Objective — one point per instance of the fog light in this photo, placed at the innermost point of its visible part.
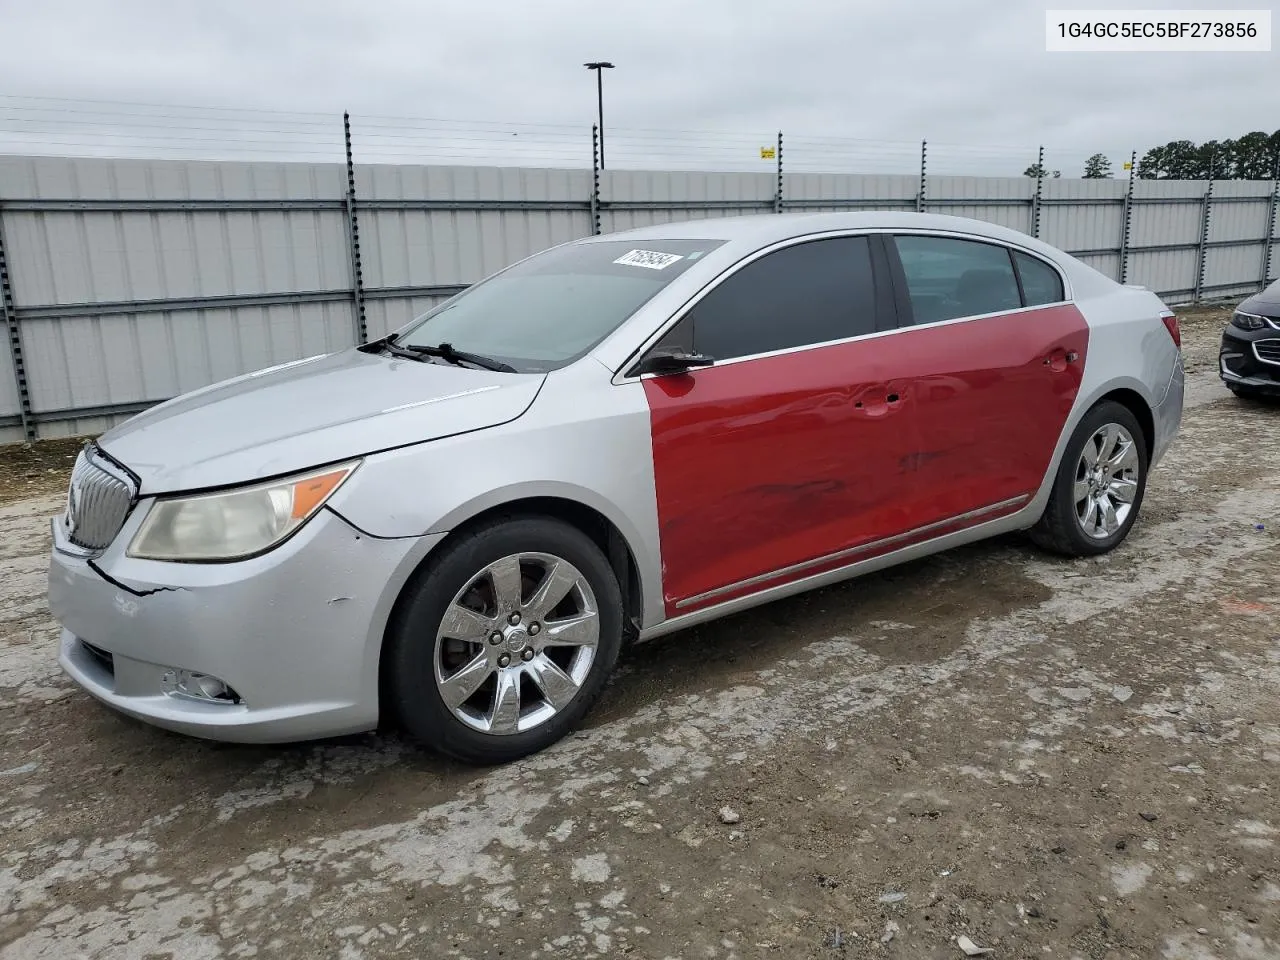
(198, 686)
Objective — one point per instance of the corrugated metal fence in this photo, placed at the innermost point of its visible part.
(127, 282)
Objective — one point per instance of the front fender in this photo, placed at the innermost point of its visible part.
(602, 462)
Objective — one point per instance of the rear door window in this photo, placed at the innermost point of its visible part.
(949, 278)
(1040, 282)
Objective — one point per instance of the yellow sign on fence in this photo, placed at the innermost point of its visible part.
(1128, 165)
(767, 153)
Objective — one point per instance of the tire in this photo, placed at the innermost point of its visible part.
(1081, 527)
(1252, 396)
(497, 647)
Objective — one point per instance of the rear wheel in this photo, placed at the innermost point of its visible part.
(1099, 487)
(505, 643)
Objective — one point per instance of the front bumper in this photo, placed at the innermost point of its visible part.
(1240, 362)
(296, 632)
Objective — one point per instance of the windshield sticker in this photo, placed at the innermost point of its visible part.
(650, 259)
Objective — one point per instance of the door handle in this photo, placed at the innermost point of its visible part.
(1060, 358)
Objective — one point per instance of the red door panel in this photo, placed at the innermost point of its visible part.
(784, 461)
(767, 463)
(991, 397)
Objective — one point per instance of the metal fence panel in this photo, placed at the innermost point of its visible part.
(1161, 224)
(109, 361)
(647, 197)
(804, 191)
(1085, 215)
(1239, 212)
(136, 280)
(107, 256)
(1002, 200)
(77, 178)
(1227, 269)
(1170, 273)
(1107, 264)
(443, 245)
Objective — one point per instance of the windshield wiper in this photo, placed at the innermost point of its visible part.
(389, 344)
(445, 351)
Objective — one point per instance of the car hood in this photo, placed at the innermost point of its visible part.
(309, 412)
(1267, 302)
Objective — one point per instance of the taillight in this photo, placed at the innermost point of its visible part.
(1171, 324)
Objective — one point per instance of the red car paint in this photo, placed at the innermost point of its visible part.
(765, 464)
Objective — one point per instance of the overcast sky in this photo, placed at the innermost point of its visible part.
(964, 72)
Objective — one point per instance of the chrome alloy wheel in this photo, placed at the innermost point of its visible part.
(516, 643)
(1106, 481)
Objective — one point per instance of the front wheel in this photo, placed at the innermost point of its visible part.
(1099, 487)
(505, 643)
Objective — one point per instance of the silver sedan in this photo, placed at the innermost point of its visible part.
(459, 525)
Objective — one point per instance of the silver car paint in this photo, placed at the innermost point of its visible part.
(300, 415)
(585, 440)
(583, 434)
(297, 631)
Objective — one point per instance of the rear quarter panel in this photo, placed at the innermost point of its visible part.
(1129, 349)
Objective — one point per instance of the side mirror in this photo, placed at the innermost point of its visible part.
(665, 360)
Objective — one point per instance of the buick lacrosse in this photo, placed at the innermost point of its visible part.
(458, 526)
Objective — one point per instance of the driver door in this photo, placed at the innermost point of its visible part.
(791, 452)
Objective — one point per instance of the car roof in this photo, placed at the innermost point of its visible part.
(766, 228)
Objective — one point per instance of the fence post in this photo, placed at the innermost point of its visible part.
(777, 194)
(1206, 212)
(353, 237)
(1127, 233)
(1273, 209)
(924, 182)
(9, 309)
(1035, 202)
(595, 180)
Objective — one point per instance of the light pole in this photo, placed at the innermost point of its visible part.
(599, 66)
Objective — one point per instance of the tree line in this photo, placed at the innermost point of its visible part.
(1254, 156)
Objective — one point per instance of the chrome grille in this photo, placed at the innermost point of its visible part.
(1268, 351)
(98, 501)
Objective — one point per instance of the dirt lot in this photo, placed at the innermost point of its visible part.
(1055, 759)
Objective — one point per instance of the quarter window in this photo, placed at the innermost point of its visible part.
(809, 293)
(1040, 282)
(949, 278)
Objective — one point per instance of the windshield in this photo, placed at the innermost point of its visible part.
(554, 307)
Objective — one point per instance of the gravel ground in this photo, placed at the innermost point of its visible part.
(1051, 758)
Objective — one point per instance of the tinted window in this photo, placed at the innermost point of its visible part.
(1040, 282)
(949, 278)
(554, 307)
(800, 295)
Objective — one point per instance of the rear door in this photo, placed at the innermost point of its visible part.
(994, 354)
(790, 449)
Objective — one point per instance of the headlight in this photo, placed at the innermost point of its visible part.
(234, 524)
(1247, 321)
